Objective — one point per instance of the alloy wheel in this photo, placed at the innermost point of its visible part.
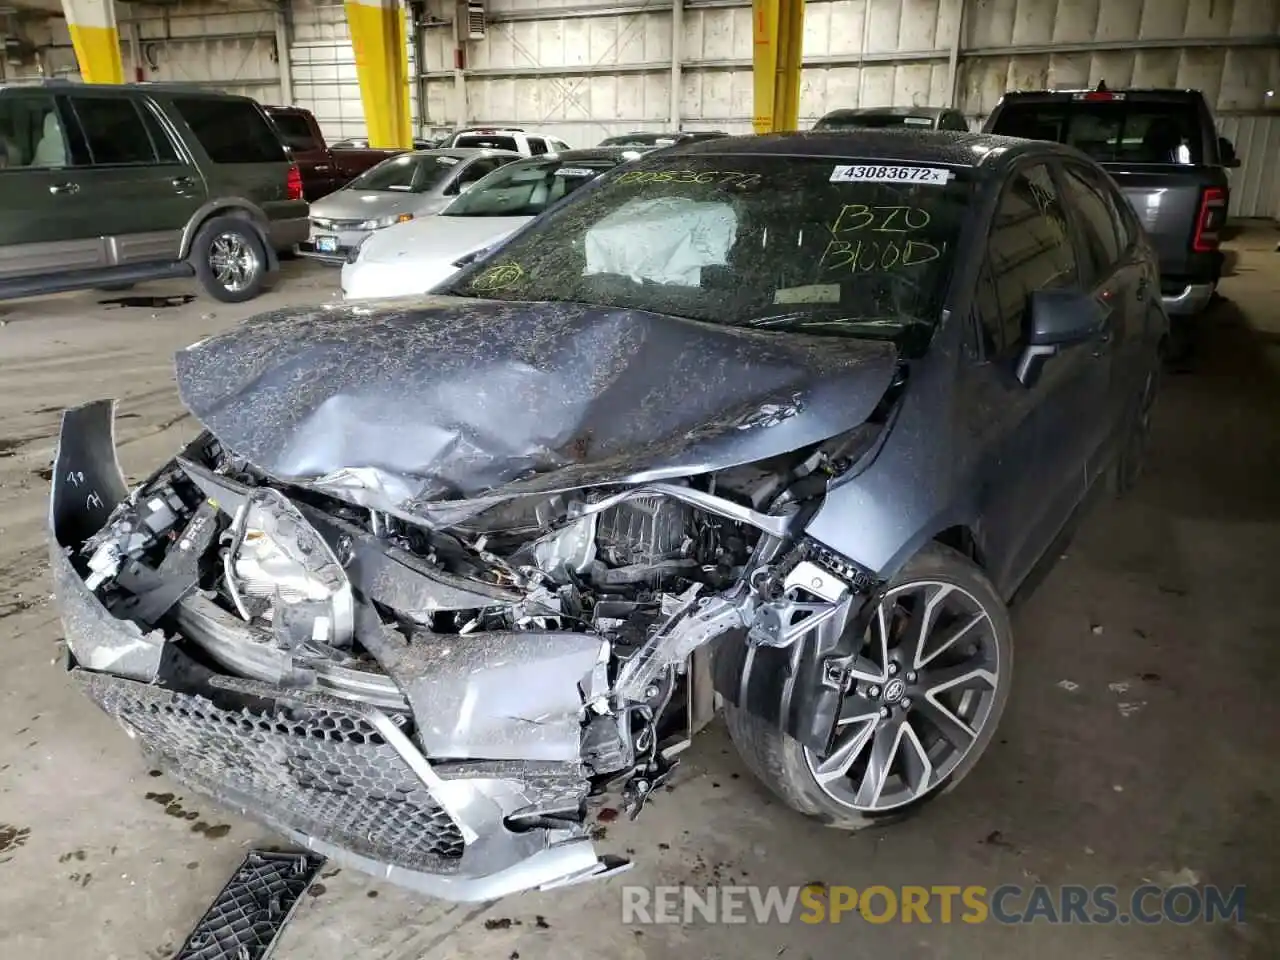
(923, 688)
(234, 262)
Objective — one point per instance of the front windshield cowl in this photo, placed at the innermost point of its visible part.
(817, 245)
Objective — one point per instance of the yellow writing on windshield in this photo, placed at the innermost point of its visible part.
(498, 277)
(725, 177)
(869, 255)
(887, 219)
(892, 249)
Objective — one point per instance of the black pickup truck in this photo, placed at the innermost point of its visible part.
(1163, 150)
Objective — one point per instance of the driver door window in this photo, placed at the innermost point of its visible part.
(31, 133)
(1029, 249)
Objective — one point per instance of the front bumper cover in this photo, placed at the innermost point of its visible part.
(338, 777)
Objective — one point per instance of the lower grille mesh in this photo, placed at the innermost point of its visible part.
(322, 772)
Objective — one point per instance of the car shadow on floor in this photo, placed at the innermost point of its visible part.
(1215, 449)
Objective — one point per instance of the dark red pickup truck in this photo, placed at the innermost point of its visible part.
(324, 169)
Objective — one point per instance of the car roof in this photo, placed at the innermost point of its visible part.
(461, 153)
(933, 112)
(953, 148)
(62, 84)
(652, 136)
(1153, 93)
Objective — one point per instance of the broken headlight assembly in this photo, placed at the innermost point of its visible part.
(278, 568)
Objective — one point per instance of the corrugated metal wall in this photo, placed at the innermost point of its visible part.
(585, 70)
(228, 46)
(324, 68)
(222, 45)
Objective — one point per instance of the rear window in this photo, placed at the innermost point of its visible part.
(492, 143)
(295, 131)
(1117, 131)
(231, 131)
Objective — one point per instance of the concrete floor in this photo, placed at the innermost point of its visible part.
(1172, 593)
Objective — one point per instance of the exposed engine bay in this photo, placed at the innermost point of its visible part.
(555, 630)
(427, 642)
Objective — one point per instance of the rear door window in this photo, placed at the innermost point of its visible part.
(231, 130)
(114, 130)
(537, 146)
(1110, 131)
(1097, 226)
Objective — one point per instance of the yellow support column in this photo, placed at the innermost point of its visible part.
(92, 25)
(382, 66)
(779, 38)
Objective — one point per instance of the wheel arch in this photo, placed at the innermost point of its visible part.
(222, 207)
(964, 540)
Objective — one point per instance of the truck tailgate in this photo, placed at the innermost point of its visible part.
(1167, 200)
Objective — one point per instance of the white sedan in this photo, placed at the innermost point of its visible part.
(413, 257)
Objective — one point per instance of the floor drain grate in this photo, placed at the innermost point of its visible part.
(245, 920)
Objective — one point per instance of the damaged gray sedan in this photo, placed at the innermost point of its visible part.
(778, 422)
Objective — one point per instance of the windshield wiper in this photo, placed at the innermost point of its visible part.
(825, 318)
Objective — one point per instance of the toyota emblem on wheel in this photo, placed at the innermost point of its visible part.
(893, 690)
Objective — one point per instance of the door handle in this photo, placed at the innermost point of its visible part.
(65, 188)
(182, 182)
(1102, 340)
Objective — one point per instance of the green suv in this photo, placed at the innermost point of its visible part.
(107, 186)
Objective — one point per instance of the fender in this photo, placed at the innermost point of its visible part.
(224, 206)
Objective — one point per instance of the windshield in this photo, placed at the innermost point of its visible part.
(821, 245)
(862, 121)
(406, 174)
(525, 189)
(1116, 131)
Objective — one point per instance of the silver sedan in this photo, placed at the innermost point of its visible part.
(400, 188)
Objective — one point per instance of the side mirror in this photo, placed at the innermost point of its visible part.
(1227, 153)
(1056, 319)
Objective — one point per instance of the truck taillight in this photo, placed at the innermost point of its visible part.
(293, 183)
(1213, 213)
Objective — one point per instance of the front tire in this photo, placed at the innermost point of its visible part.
(927, 691)
(230, 259)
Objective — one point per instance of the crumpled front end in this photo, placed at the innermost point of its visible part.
(442, 707)
(325, 752)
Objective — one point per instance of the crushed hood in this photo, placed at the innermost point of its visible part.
(412, 406)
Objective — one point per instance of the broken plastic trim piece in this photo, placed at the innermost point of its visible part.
(246, 918)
